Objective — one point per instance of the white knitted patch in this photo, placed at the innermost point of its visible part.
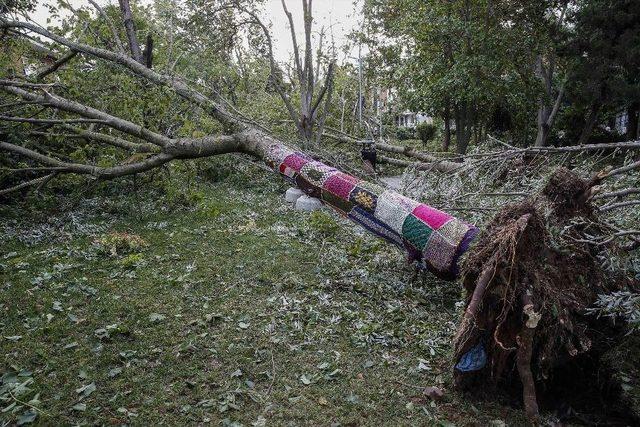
(392, 209)
(276, 154)
(453, 231)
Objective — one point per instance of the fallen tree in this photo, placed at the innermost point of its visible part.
(509, 285)
(432, 238)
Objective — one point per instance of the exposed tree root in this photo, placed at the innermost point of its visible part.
(529, 280)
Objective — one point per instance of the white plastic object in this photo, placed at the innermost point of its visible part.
(292, 194)
(308, 204)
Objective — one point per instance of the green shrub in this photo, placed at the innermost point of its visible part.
(425, 132)
(405, 133)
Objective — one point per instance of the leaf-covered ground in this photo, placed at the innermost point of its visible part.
(130, 308)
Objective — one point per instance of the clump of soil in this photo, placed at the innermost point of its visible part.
(529, 280)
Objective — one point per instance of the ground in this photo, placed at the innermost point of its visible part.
(216, 302)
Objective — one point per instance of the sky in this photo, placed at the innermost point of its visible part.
(340, 16)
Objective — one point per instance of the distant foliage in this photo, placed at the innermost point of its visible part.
(403, 133)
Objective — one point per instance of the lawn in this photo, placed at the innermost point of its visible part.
(214, 301)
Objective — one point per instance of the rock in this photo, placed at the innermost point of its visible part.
(308, 204)
(293, 194)
(434, 393)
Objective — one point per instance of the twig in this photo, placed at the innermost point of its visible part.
(41, 180)
(619, 205)
(618, 193)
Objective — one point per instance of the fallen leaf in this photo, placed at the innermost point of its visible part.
(86, 390)
(81, 407)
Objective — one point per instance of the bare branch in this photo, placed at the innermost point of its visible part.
(129, 26)
(92, 113)
(104, 173)
(441, 167)
(59, 63)
(48, 121)
(178, 85)
(109, 22)
(618, 193)
(26, 184)
(296, 48)
(114, 141)
(619, 205)
(327, 85)
(624, 169)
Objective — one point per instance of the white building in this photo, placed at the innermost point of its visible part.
(409, 119)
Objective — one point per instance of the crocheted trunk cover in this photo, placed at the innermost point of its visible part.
(431, 237)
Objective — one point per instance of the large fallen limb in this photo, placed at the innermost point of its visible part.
(422, 166)
(434, 239)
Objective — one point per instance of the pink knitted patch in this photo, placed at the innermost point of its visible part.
(340, 184)
(295, 161)
(430, 216)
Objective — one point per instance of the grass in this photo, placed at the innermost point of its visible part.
(236, 310)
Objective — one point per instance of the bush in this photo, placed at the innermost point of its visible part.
(425, 132)
(405, 133)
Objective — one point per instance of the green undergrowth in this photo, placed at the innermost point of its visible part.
(204, 298)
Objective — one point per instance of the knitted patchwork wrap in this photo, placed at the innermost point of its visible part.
(429, 236)
(275, 155)
(317, 173)
(365, 195)
(338, 203)
(446, 245)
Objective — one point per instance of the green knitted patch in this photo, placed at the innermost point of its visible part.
(338, 203)
(416, 232)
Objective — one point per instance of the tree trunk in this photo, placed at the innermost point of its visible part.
(632, 125)
(447, 128)
(129, 26)
(543, 127)
(591, 120)
(464, 127)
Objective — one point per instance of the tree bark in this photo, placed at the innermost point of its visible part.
(447, 127)
(464, 127)
(590, 122)
(632, 125)
(130, 28)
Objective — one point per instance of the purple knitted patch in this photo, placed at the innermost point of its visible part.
(340, 184)
(430, 216)
(295, 161)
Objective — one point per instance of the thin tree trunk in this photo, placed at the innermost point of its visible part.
(632, 125)
(129, 26)
(447, 127)
(591, 120)
(148, 52)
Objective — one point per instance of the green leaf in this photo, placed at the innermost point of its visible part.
(86, 390)
(27, 417)
(80, 407)
(305, 380)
